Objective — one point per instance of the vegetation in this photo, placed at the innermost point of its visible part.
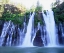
(59, 13)
(18, 14)
(38, 17)
(13, 13)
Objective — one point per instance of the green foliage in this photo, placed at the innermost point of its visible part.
(37, 17)
(38, 9)
(32, 9)
(16, 18)
(13, 13)
(59, 13)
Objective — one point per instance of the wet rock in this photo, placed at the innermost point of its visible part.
(61, 34)
(38, 41)
(1, 26)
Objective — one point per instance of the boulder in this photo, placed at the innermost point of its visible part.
(37, 40)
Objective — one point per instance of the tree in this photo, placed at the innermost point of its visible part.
(38, 4)
(5, 1)
(38, 7)
(59, 13)
(2, 3)
(32, 9)
(57, 2)
(21, 7)
(38, 14)
(1, 8)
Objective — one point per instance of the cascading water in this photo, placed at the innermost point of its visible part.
(38, 25)
(50, 27)
(5, 28)
(4, 31)
(10, 33)
(22, 34)
(27, 40)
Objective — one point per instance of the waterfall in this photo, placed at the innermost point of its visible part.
(38, 25)
(61, 29)
(22, 34)
(7, 32)
(14, 35)
(10, 34)
(50, 27)
(27, 40)
(4, 31)
(5, 28)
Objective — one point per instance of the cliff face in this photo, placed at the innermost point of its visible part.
(60, 33)
(10, 34)
(59, 20)
(13, 34)
(38, 40)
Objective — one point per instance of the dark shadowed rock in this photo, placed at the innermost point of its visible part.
(61, 33)
(38, 41)
(1, 26)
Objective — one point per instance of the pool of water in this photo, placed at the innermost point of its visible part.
(32, 50)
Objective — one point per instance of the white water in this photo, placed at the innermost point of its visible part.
(38, 25)
(10, 34)
(50, 27)
(27, 41)
(5, 28)
(4, 31)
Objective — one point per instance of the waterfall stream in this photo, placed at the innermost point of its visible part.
(47, 35)
(50, 27)
(27, 40)
(4, 31)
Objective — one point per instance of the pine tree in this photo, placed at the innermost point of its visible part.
(57, 2)
(38, 4)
